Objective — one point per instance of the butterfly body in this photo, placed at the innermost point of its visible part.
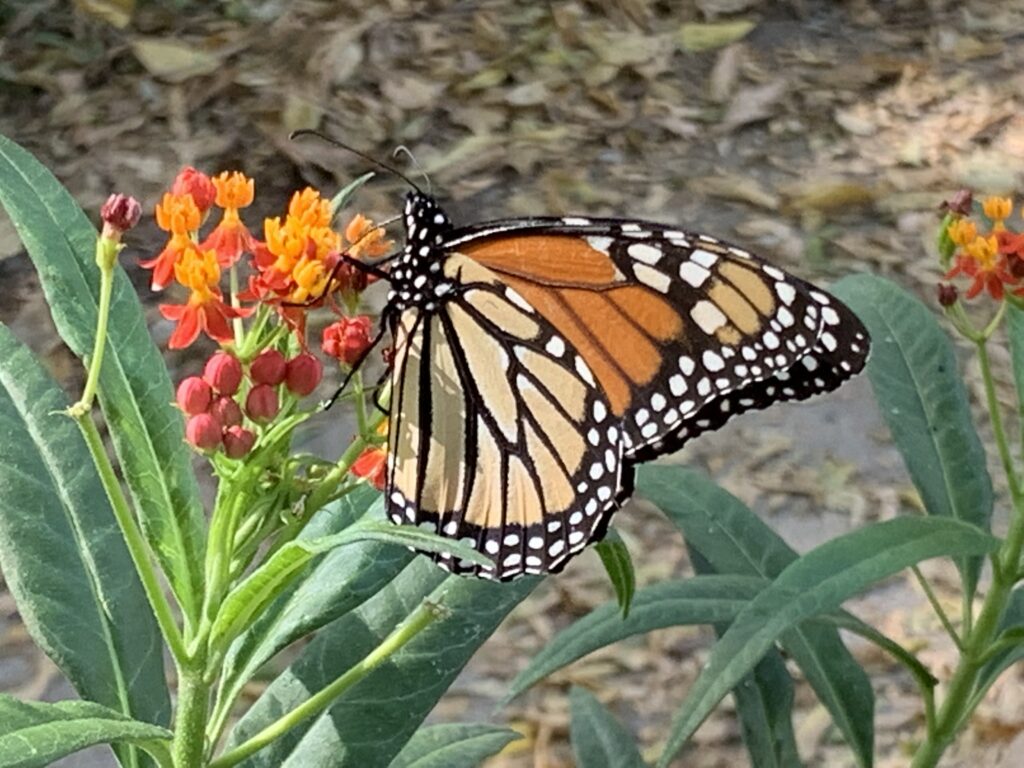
(538, 360)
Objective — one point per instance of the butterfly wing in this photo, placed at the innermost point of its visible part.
(498, 436)
(681, 330)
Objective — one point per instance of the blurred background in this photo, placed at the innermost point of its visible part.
(822, 135)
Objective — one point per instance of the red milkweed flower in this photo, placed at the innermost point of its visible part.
(372, 465)
(198, 185)
(205, 310)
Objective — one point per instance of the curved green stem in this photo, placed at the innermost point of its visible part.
(937, 607)
(419, 620)
(84, 404)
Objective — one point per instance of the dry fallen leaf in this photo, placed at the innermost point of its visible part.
(174, 60)
(117, 13)
(695, 38)
(753, 104)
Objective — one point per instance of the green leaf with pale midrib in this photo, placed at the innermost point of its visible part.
(135, 391)
(816, 583)
(618, 565)
(35, 734)
(733, 540)
(369, 725)
(696, 600)
(335, 584)
(284, 566)
(913, 371)
(62, 552)
(598, 739)
(455, 745)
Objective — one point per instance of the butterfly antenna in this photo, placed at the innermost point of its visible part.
(401, 149)
(341, 145)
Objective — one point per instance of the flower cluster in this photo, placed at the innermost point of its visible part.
(988, 253)
(301, 263)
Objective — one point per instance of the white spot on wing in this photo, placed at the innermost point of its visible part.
(694, 274)
(648, 254)
(708, 316)
(651, 277)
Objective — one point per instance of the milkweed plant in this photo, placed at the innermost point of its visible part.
(126, 581)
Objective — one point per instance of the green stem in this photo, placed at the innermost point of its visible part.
(133, 539)
(419, 620)
(189, 746)
(937, 607)
(84, 404)
(960, 699)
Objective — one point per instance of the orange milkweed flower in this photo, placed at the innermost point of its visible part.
(180, 216)
(372, 463)
(983, 262)
(997, 209)
(205, 310)
(231, 238)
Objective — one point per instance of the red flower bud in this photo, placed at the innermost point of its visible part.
(302, 374)
(238, 441)
(268, 368)
(120, 213)
(189, 181)
(223, 372)
(947, 294)
(348, 339)
(194, 395)
(262, 404)
(203, 431)
(960, 203)
(227, 411)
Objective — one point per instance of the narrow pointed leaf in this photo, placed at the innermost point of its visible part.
(34, 734)
(336, 583)
(764, 702)
(598, 739)
(365, 728)
(913, 371)
(135, 391)
(817, 583)
(732, 539)
(62, 553)
(268, 581)
(1015, 330)
(697, 600)
(1013, 618)
(453, 746)
(619, 567)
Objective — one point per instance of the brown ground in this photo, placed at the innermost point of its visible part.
(824, 138)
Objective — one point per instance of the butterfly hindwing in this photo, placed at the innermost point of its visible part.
(498, 436)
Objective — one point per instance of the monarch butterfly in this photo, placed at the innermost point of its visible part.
(536, 361)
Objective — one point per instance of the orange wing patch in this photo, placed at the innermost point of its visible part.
(546, 259)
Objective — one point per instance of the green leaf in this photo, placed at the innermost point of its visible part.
(62, 553)
(369, 725)
(764, 702)
(35, 734)
(913, 371)
(598, 739)
(619, 566)
(1012, 619)
(697, 600)
(340, 200)
(135, 391)
(732, 539)
(453, 746)
(814, 584)
(268, 581)
(1015, 330)
(335, 584)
